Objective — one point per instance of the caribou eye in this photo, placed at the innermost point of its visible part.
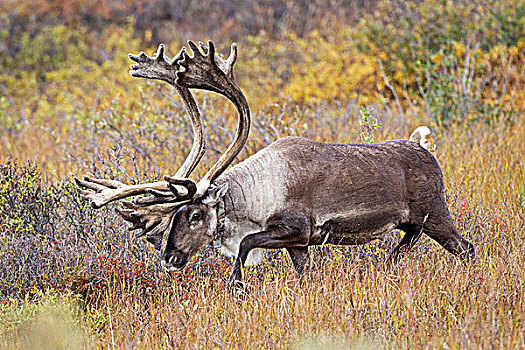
(196, 216)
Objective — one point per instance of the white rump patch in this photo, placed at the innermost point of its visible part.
(420, 136)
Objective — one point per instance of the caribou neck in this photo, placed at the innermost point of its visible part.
(245, 193)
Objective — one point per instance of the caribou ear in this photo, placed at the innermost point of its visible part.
(215, 194)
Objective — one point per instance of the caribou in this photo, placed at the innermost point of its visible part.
(293, 194)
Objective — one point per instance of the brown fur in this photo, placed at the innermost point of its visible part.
(297, 193)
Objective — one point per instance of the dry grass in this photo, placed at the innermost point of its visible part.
(71, 277)
(430, 300)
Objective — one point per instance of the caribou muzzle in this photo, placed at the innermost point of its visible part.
(174, 260)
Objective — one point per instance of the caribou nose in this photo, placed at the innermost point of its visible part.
(165, 261)
(168, 262)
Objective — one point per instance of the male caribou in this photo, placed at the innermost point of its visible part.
(293, 194)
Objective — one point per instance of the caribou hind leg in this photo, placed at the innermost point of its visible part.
(437, 223)
(443, 231)
(412, 234)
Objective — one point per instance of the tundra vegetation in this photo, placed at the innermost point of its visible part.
(74, 277)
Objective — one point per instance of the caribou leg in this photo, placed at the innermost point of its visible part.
(412, 234)
(442, 230)
(300, 259)
(275, 237)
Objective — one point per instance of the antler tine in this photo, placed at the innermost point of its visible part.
(159, 55)
(153, 219)
(162, 68)
(188, 184)
(139, 58)
(228, 64)
(155, 197)
(206, 70)
(106, 191)
(208, 51)
(178, 56)
(157, 67)
(225, 65)
(203, 47)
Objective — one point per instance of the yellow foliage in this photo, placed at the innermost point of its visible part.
(331, 71)
(65, 80)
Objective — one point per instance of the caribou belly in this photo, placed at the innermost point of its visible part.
(356, 227)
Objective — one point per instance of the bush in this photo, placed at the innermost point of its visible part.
(53, 239)
(458, 60)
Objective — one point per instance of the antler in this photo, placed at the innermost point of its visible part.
(153, 219)
(206, 70)
(105, 191)
(203, 70)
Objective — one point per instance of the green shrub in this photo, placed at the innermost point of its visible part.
(457, 60)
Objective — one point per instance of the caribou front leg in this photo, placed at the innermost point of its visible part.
(300, 259)
(275, 237)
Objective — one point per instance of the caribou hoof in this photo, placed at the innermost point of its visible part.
(237, 286)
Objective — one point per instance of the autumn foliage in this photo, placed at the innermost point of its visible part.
(331, 71)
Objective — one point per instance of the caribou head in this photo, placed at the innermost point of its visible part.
(152, 215)
(196, 224)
